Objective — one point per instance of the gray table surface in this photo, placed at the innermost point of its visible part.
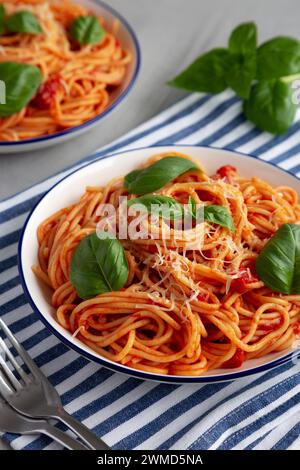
(171, 33)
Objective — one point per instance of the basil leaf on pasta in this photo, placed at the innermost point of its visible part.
(23, 22)
(98, 265)
(155, 176)
(218, 215)
(21, 84)
(130, 178)
(278, 264)
(2, 16)
(86, 30)
(192, 207)
(164, 206)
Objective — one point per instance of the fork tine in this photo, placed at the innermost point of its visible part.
(5, 388)
(8, 373)
(13, 361)
(21, 351)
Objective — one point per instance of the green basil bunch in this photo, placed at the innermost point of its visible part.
(261, 76)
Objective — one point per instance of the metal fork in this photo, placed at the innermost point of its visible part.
(33, 395)
(15, 423)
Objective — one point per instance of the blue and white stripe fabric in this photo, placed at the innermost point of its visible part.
(256, 412)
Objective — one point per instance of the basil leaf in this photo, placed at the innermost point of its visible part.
(206, 74)
(86, 30)
(21, 82)
(23, 22)
(219, 215)
(154, 177)
(216, 214)
(164, 206)
(98, 265)
(277, 58)
(270, 106)
(193, 207)
(2, 16)
(241, 63)
(130, 177)
(240, 72)
(278, 264)
(243, 39)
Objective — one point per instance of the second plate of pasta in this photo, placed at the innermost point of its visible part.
(63, 67)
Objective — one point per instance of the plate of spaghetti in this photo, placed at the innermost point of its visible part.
(64, 66)
(175, 264)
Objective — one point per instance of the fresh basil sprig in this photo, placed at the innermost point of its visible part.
(155, 176)
(214, 71)
(164, 206)
(278, 264)
(23, 22)
(261, 76)
(98, 265)
(21, 82)
(86, 30)
(2, 17)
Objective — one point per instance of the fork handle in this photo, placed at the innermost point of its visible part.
(87, 436)
(61, 437)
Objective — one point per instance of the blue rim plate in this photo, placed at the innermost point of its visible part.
(223, 377)
(79, 129)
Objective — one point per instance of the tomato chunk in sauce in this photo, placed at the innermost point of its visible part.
(241, 283)
(226, 171)
(236, 361)
(46, 95)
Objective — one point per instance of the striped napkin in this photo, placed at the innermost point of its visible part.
(256, 412)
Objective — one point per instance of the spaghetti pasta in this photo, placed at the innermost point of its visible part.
(78, 81)
(183, 311)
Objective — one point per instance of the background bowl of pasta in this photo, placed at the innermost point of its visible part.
(64, 66)
(171, 315)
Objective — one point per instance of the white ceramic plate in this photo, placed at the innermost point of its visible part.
(129, 40)
(99, 173)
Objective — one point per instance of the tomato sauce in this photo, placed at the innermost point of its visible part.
(236, 361)
(241, 283)
(46, 95)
